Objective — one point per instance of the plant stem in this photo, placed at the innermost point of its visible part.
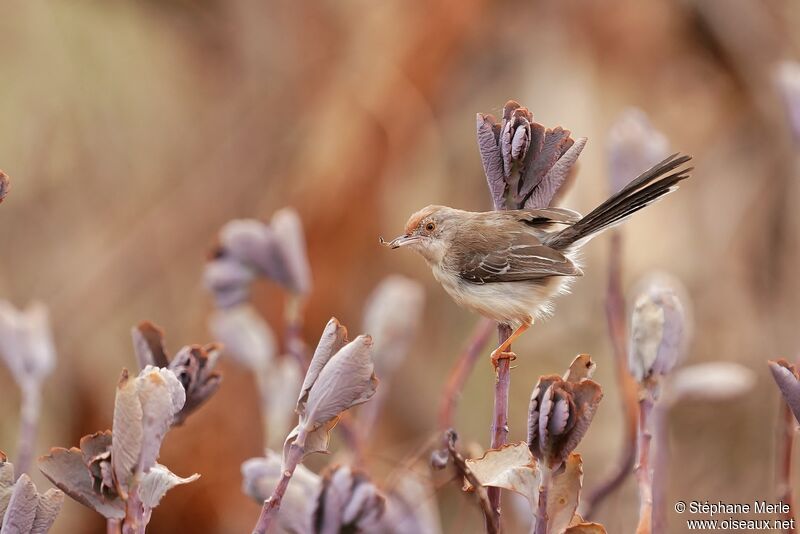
(113, 526)
(542, 520)
(461, 371)
(135, 521)
(785, 442)
(492, 520)
(502, 385)
(660, 480)
(616, 319)
(28, 422)
(644, 475)
(271, 506)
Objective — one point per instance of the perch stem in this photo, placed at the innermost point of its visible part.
(500, 420)
(461, 371)
(661, 459)
(271, 506)
(615, 317)
(113, 526)
(29, 418)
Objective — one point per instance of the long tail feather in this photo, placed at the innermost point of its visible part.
(647, 188)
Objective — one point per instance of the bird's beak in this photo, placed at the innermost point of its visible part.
(400, 241)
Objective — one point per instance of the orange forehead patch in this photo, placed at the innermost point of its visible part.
(415, 219)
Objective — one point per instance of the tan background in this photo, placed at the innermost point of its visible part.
(134, 130)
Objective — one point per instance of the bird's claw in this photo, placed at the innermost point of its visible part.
(502, 355)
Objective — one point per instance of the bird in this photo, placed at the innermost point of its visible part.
(509, 265)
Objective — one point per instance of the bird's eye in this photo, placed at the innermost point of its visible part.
(430, 227)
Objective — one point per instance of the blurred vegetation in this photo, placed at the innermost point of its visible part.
(133, 130)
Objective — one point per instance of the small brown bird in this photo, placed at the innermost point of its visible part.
(508, 265)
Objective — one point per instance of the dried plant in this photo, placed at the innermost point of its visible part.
(193, 365)
(115, 472)
(526, 166)
(26, 346)
(340, 376)
(249, 249)
(633, 146)
(23, 510)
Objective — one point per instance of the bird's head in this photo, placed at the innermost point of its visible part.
(429, 232)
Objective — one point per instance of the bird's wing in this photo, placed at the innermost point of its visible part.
(546, 216)
(517, 256)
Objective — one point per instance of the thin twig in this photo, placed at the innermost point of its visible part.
(462, 370)
(135, 521)
(29, 418)
(787, 427)
(492, 520)
(271, 506)
(616, 319)
(502, 386)
(644, 475)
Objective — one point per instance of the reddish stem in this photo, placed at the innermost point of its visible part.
(502, 386)
(271, 506)
(462, 370)
(541, 512)
(492, 520)
(644, 475)
(29, 417)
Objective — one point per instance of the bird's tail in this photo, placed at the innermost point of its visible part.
(648, 188)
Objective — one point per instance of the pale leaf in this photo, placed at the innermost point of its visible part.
(21, 510)
(157, 482)
(126, 441)
(161, 396)
(50, 503)
(333, 338)
(289, 234)
(346, 381)
(784, 374)
(6, 484)
(511, 467)
(244, 335)
(714, 381)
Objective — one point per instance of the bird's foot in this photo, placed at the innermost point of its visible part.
(498, 355)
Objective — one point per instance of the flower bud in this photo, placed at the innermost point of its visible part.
(560, 412)
(658, 330)
(26, 344)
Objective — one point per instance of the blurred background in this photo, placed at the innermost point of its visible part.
(133, 131)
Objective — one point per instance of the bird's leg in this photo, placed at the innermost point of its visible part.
(500, 352)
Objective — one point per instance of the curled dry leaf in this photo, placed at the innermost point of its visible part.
(392, 316)
(26, 343)
(261, 475)
(340, 376)
(157, 482)
(71, 470)
(349, 502)
(713, 381)
(525, 164)
(144, 409)
(563, 494)
(510, 467)
(193, 365)
(560, 412)
(788, 380)
(633, 147)
(244, 335)
(582, 527)
(658, 329)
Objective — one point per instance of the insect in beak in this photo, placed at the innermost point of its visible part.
(400, 241)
